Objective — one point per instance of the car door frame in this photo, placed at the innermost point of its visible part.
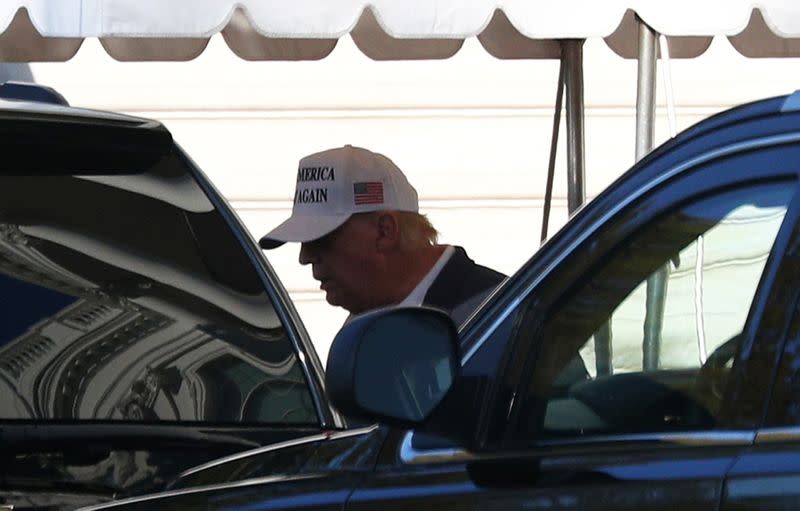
(675, 175)
(307, 356)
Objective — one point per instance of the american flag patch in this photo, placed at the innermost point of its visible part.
(368, 193)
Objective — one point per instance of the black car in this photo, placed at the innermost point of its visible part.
(142, 331)
(646, 357)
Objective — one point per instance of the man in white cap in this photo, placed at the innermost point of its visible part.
(357, 218)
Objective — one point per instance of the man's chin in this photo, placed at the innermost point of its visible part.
(337, 301)
(333, 299)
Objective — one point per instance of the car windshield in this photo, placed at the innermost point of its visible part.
(126, 297)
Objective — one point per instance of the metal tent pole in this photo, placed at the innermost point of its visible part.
(551, 165)
(572, 61)
(572, 54)
(646, 91)
(645, 128)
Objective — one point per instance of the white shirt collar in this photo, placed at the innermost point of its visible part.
(417, 295)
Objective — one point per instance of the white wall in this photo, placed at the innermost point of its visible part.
(472, 132)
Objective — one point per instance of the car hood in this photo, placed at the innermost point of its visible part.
(319, 469)
(64, 467)
(318, 489)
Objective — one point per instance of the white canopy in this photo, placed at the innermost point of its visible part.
(52, 30)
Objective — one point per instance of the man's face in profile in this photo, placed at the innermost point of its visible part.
(345, 262)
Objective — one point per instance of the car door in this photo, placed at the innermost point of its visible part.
(624, 426)
(141, 330)
(662, 436)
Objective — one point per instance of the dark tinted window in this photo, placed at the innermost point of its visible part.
(690, 278)
(126, 297)
(784, 406)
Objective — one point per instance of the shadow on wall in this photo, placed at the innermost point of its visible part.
(15, 72)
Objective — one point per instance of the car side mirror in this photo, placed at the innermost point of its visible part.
(393, 365)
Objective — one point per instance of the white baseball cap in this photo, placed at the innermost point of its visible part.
(334, 184)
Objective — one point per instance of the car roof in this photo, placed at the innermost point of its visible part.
(55, 112)
(764, 108)
(765, 111)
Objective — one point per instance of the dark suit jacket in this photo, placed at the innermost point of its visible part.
(461, 286)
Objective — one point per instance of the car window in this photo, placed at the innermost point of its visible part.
(593, 372)
(127, 297)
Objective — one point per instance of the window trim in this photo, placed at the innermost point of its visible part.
(409, 455)
(775, 435)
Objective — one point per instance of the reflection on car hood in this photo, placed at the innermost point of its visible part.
(161, 498)
(97, 462)
(354, 449)
(52, 499)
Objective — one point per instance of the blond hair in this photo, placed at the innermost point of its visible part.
(415, 228)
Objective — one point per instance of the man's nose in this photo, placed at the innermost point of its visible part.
(307, 254)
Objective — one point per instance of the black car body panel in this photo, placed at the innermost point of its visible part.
(142, 331)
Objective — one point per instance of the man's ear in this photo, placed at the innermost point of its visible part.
(388, 231)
